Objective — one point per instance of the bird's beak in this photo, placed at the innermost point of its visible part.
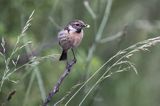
(86, 26)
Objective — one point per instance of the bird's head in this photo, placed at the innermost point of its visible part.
(77, 26)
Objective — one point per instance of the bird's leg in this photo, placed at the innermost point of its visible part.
(74, 55)
(67, 63)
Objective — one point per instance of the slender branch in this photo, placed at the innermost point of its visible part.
(113, 37)
(89, 9)
(59, 82)
(99, 32)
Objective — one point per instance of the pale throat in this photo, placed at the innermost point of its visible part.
(71, 29)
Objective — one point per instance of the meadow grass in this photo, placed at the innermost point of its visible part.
(120, 59)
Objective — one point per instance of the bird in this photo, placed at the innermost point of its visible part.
(70, 37)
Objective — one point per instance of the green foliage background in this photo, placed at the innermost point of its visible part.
(139, 19)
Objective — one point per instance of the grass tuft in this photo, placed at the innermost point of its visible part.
(121, 58)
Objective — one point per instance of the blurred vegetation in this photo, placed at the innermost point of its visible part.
(115, 25)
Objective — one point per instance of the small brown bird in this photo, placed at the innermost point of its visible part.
(70, 37)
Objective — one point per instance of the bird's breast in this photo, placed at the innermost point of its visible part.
(70, 39)
(76, 38)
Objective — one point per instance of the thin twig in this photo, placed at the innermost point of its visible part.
(89, 9)
(59, 82)
(111, 38)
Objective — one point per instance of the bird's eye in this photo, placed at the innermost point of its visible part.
(77, 24)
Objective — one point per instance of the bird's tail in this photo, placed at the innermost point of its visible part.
(63, 56)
